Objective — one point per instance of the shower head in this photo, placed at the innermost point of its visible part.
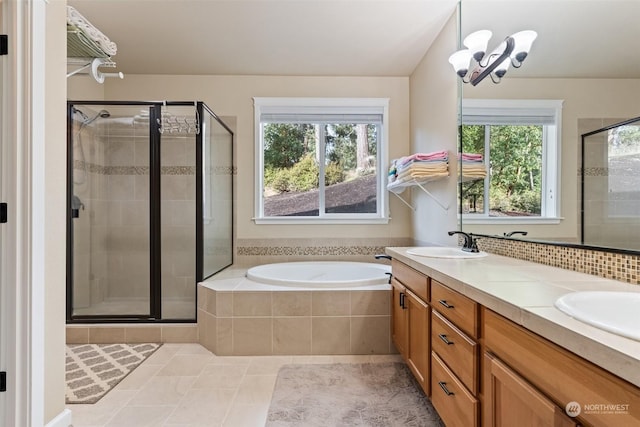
(77, 111)
(102, 114)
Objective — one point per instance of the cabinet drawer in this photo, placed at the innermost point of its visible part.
(460, 310)
(455, 405)
(412, 279)
(458, 351)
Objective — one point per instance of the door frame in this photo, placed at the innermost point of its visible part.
(22, 277)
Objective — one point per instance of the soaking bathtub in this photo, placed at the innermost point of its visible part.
(297, 308)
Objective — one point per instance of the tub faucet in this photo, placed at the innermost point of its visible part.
(511, 233)
(470, 244)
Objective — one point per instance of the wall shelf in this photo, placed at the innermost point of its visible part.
(398, 188)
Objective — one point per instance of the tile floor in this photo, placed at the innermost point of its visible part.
(185, 385)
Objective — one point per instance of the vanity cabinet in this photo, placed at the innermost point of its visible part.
(525, 373)
(482, 369)
(411, 320)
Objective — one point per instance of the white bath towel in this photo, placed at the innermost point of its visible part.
(76, 19)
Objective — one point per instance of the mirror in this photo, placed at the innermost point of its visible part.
(585, 57)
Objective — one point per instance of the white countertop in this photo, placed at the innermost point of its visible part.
(525, 293)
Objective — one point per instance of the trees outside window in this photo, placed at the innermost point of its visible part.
(320, 162)
(519, 140)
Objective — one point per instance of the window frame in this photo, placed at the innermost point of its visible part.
(324, 106)
(551, 151)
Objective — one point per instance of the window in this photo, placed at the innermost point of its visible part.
(519, 140)
(320, 160)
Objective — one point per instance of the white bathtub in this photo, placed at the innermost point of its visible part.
(321, 274)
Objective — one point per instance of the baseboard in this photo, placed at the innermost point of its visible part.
(63, 419)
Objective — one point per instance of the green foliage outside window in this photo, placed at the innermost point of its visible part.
(515, 160)
(290, 155)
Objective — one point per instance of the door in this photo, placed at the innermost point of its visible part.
(418, 338)
(3, 281)
(513, 399)
(399, 317)
(110, 178)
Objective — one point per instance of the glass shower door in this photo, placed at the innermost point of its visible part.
(110, 210)
(217, 195)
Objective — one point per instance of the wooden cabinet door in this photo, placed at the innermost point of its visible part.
(512, 401)
(418, 352)
(399, 318)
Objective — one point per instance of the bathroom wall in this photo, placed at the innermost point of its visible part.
(583, 99)
(232, 96)
(433, 88)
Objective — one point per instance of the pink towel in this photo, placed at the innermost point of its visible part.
(436, 155)
(470, 157)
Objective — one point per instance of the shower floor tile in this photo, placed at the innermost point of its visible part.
(220, 391)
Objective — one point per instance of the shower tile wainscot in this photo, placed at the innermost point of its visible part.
(237, 316)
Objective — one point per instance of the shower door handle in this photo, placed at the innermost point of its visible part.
(3, 213)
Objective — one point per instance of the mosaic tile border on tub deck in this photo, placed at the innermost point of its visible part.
(610, 265)
(317, 247)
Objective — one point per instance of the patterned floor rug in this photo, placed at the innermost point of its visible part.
(94, 369)
(368, 394)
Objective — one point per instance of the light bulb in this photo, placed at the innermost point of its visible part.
(461, 61)
(477, 43)
(523, 41)
(501, 69)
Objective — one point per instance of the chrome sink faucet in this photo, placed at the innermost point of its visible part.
(511, 233)
(470, 244)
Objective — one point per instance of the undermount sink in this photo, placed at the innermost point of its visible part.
(615, 312)
(444, 252)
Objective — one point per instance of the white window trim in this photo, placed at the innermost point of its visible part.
(335, 104)
(551, 155)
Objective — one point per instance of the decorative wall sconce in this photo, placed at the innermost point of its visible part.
(512, 51)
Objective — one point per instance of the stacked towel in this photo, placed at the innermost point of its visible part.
(76, 20)
(473, 166)
(419, 167)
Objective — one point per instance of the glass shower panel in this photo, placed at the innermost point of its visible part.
(611, 183)
(217, 193)
(110, 210)
(178, 212)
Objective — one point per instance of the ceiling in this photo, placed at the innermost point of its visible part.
(269, 37)
(576, 38)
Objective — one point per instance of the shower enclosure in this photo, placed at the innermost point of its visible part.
(150, 204)
(611, 186)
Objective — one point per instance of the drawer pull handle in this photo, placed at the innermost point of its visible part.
(444, 338)
(445, 303)
(444, 388)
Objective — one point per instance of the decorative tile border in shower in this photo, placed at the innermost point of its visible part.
(132, 170)
(595, 171)
(610, 265)
(144, 170)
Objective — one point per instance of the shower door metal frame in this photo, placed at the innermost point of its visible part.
(155, 224)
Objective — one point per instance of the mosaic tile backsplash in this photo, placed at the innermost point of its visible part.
(622, 267)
